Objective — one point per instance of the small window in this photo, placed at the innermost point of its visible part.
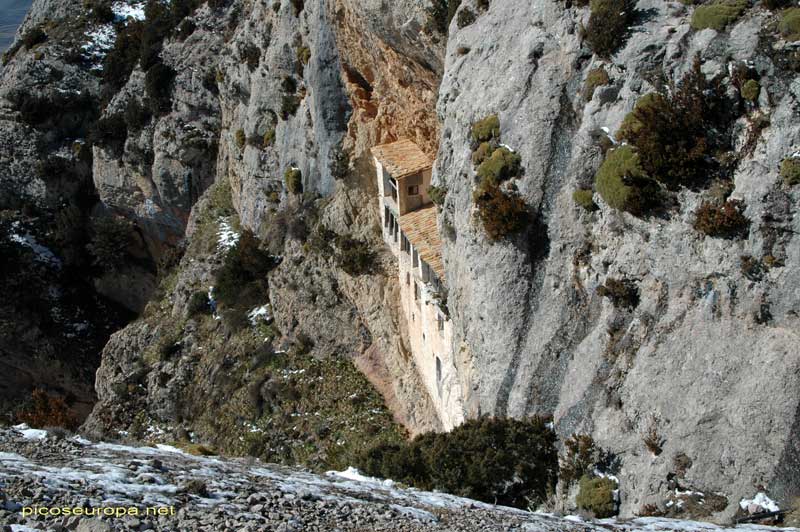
(440, 322)
(413, 190)
(405, 245)
(408, 278)
(416, 291)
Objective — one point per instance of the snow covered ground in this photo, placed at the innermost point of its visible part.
(101, 38)
(75, 471)
(227, 237)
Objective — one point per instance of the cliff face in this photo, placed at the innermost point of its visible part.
(276, 105)
(266, 89)
(707, 362)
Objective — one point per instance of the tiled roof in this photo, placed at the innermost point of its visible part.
(421, 230)
(402, 158)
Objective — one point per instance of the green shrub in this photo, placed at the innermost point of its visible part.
(465, 17)
(651, 104)
(63, 115)
(33, 36)
(597, 496)
(121, 59)
(109, 132)
(240, 138)
(242, 280)
(585, 198)
(303, 54)
(579, 459)
(251, 56)
(789, 25)
(99, 11)
(750, 90)
(502, 165)
(500, 461)
(437, 194)
(158, 87)
(501, 213)
(597, 77)
(723, 221)
(293, 178)
(622, 294)
(622, 183)
(340, 163)
(483, 5)
(354, 256)
(483, 152)
(136, 115)
(608, 24)
(142, 40)
(198, 304)
(289, 105)
(186, 28)
(717, 14)
(674, 135)
(790, 171)
(269, 138)
(111, 236)
(486, 130)
(298, 6)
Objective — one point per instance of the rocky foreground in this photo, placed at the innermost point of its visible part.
(40, 470)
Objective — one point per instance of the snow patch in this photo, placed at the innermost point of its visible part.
(227, 238)
(123, 11)
(43, 254)
(80, 440)
(607, 131)
(761, 500)
(506, 146)
(29, 433)
(351, 473)
(101, 41)
(11, 457)
(259, 314)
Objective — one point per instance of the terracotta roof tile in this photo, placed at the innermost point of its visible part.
(422, 231)
(402, 158)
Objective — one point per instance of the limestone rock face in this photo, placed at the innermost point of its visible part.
(706, 364)
(708, 361)
(260, 89)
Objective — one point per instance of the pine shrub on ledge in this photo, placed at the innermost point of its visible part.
(500, 461)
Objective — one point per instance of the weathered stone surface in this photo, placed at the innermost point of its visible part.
(697, 361)
(706, 364)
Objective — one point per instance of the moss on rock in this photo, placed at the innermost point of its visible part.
(486, 130)
(584, 198)
(716, 15)
(750, 90)
(503, 164)
(790, 171)
(597, 77)
(597, 496)
(621, 181)
(294, 180)
(789, 25)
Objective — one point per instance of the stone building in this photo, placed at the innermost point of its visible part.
(410, 230)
